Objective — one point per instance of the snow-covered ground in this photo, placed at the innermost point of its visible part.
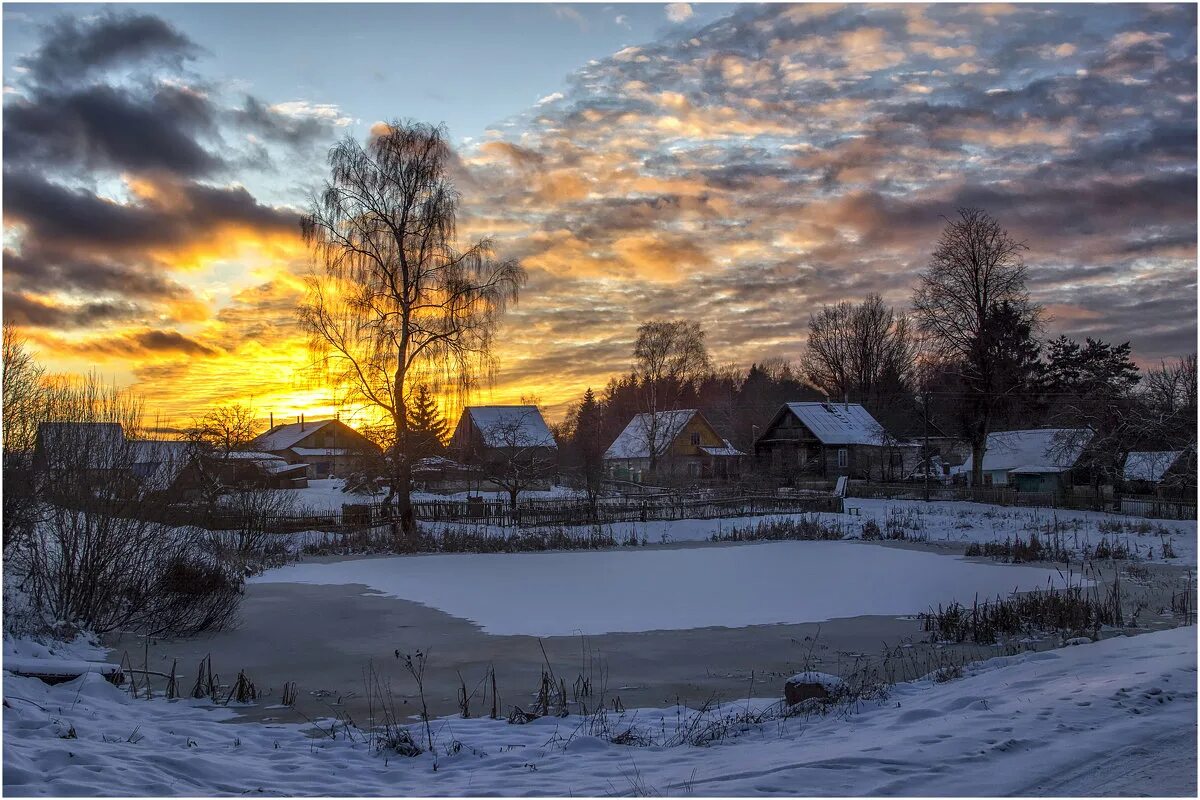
(1113, 717)
(627, 590)
(942, 522)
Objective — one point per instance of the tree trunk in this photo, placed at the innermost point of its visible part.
(512, 498)
(978, 448)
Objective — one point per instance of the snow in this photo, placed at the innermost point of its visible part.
(511, 426)
(634, 440)
(636, 589)
(1150, 466)
(830, 683)
(1028, 450)
(281, 437)
(839, 423)
(938, 522)
(1112, 717)
(325, 495)
(725, 450)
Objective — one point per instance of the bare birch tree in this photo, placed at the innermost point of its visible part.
(973, 303)
(396, 301)
(667, 358)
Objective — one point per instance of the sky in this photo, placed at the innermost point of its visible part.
(739, 165)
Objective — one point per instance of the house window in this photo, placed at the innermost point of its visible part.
(696, 439)
(693, 468)
(843, 457)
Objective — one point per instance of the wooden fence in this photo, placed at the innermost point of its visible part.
(527, 514)
(1156, 507)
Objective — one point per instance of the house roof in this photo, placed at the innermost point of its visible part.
(1031, 451)
(727, 450)
(839, 423)
(253, 455)
(158, 462)
(90, 445)
(634, 441)
(511, 426)
(282, 437)
(322, 451)
(1150, 466)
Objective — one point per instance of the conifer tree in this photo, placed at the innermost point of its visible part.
(427, 428)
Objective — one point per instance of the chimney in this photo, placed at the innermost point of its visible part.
(272, 420)
(302, 422)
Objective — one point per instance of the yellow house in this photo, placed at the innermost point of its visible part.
(686, 445)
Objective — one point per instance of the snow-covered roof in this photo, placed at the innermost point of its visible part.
(281, 437)
(511, 426)
(634, 441)
(727, 450)
(1032, 451)
(90, 445)
(157, 462)
(1150, 466)
(254, 455)
(839, 423)
(277, 466)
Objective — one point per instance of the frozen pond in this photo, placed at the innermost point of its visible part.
(596, 592)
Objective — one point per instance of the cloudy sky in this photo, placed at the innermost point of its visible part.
(737, 165)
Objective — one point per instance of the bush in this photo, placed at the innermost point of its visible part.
(806, 528)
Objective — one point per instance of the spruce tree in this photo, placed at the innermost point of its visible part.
(427, 428)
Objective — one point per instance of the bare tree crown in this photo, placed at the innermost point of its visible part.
(396, 297)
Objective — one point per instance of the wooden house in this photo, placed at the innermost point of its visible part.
(829, 440)
(506, 442)
(685, 445)
(1038, 460)
(328, 447)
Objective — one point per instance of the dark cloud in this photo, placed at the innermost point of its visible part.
(104, 127)
(143, 343)
(73, 49)
(25, 310)
(56, 217)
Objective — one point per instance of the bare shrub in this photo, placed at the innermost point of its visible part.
(96, 557)
(806, 528)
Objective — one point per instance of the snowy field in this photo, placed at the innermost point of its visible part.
(1114, 717)
(629, 590)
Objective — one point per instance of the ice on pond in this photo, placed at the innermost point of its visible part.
(611, 591)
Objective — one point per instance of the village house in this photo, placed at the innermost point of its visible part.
(685, 445)
(328, 447)
(831, 440)
(505, 442)
(1161, 472)
(1041, 460)
(169, 468)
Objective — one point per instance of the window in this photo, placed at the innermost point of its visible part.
(843, 457)
(693, 467)
(696, 439)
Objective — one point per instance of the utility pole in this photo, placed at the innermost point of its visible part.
(925, 449)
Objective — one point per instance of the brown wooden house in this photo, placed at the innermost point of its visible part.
(828, 440)
(686, 445)
(329, 447)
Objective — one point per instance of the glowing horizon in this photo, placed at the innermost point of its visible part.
(736, 165)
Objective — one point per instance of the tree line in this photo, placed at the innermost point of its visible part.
(968, 353)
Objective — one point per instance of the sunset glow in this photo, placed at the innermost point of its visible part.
(740, 166)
